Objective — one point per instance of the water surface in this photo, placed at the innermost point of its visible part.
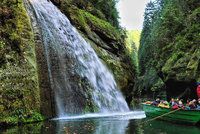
(104, 125)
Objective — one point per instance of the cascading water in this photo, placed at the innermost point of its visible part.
(78, 77)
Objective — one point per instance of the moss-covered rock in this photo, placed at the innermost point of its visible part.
(20, 97)
(19, 91)
(107, 40)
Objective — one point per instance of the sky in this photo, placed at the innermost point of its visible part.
(131, 13)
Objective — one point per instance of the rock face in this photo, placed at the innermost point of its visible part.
(19, 88)
(107, 40)
(169, 57)
(24, 82)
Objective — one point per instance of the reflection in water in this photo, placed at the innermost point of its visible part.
(115, 127)
(92, 126)
(103, 126)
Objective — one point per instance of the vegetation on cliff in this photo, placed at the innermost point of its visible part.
(19, 92)
(132, 44)
(98, 22)
(103, 9)
(169, 50)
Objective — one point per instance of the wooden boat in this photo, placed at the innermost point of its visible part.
(191, 117)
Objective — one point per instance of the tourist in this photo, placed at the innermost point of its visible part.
(174, 104)
(187, 105)
(180, 104)
(192, 104)
(164, 104)
(156, 102)
(198, 104)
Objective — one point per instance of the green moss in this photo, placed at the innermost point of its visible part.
(172, 61)
(18, 72)
(85, 21)
(90, 109)
(100, 24)
(157, 86)
(20, 117)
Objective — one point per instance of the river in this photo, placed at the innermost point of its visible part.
(103, 126)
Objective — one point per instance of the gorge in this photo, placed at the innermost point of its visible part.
(62, 74)
(71, 60)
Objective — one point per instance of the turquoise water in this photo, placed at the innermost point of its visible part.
(103, 126)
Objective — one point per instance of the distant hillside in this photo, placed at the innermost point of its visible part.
(132, 45)
(134, 35)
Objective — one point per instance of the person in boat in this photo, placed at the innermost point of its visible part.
(180, 104)
(198, 104)
(192, 104)
(163, 104)
(156, 102)
(187, 105)
(174, 103)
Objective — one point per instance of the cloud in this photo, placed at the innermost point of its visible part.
(131, 13)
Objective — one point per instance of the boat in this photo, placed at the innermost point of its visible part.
(191, 117)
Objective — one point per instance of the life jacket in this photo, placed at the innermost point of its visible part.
(175, 107)
(198, 91)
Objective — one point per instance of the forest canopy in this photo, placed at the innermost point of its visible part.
(169, 45)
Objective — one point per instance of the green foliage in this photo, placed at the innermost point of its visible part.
(88, 23)
(103, 9)
(147, 46)
(170, 40)
(20, 117)
(2, 53)
(134, 36)
(90, 108)
(99, 24)
(132, 42)
(95, 28)
(108, 7)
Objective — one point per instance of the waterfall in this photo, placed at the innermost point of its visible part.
(77, 76)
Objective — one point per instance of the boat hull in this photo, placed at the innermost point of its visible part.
(180, 116)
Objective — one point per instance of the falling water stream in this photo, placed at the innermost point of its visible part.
(72, 61)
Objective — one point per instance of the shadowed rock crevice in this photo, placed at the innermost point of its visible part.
(181, 89)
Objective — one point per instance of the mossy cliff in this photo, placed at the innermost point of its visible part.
(19, 92)
(169, 52)
(99, 26)
(23, 90)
